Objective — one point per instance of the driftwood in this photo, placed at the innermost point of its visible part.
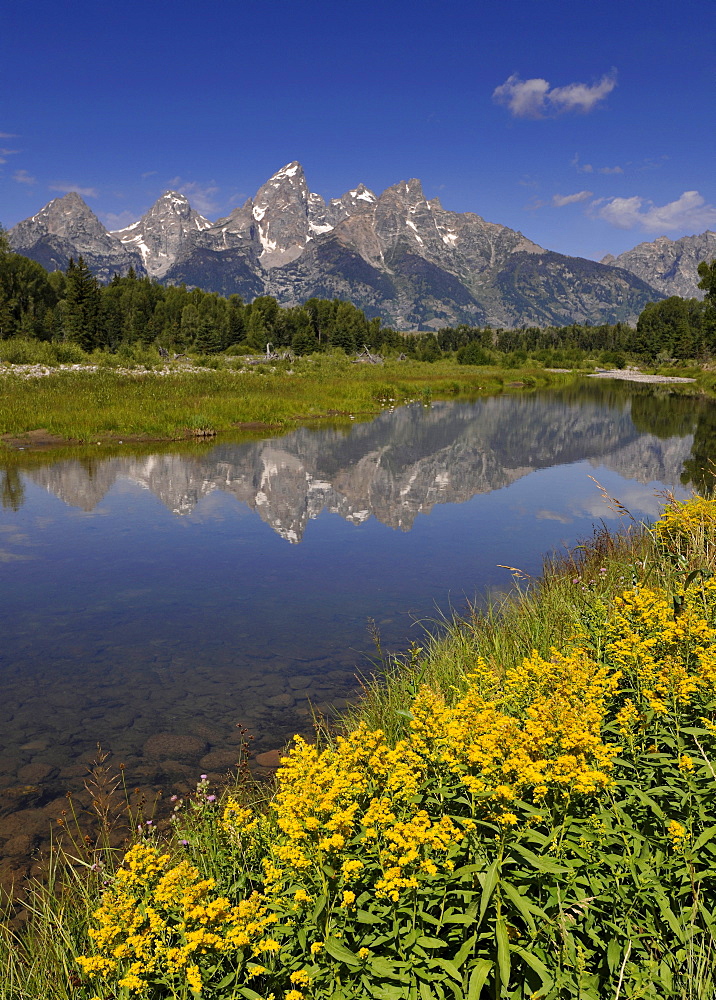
(270, 355)
(364, 357)
(164, 355)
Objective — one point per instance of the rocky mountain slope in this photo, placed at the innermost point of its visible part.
(164, 233)
(67, 227)
(398, 255)
(669, 265)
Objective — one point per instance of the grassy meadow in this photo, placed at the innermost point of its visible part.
(105, 398)
(523, 808)
(116, 402)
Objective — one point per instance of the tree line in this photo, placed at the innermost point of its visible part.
(74, 307)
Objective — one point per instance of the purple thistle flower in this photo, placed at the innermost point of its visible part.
(211, 798)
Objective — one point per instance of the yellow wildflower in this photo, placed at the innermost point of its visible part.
(677, 835)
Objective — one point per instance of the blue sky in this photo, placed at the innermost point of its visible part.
(589, 126)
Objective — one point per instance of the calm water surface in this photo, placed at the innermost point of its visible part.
(153, 601)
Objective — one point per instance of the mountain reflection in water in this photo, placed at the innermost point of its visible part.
(394, 468)
(156, 629)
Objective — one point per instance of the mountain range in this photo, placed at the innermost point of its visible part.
(396, 255)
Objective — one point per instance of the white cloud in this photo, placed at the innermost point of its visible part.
(588, 168)
(4, 153)
(580, 96)
(148, 173)
(690, 211)
(8, 135)
(22, 177)
(553, 515)
(201, 196)
(560, 200)
(533, 98)
(524, 98)
(86, 192)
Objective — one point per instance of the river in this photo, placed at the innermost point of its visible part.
(154, 599)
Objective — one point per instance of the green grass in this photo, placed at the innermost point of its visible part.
(106, 404)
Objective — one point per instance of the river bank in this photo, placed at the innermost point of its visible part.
(108, 401)
(91, 404)
(519, 807)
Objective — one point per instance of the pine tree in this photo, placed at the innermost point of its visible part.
(236, 320)
(189, 323)
(208, 338)
(257, 332)
(707, 273)
(82, 306)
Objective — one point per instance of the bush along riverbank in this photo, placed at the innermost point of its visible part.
(523, 809)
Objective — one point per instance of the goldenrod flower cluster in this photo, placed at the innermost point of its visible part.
(677, 834)
(361, 804)
(544, 733)
(238, 821)
(160, 924)
(687, 526)
(664, 659)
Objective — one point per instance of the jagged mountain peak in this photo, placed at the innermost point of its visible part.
(67, 227)
(287, 185)
(410, 192)
(356, 201)
(287, 215)
(164, 233)
(171, 203)
(362, 193)
(292, 171)
(62, 216)
(669, 265)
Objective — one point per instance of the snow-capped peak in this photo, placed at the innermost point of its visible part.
(361, 193)
(290, 170)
